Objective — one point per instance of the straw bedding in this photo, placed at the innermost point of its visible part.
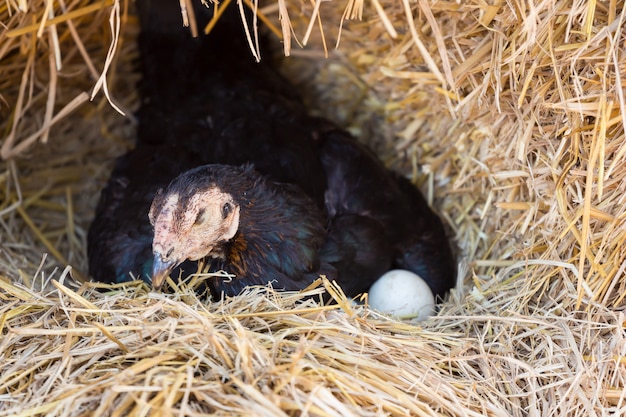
(509, 115)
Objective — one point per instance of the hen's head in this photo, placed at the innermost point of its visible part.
(192, 218)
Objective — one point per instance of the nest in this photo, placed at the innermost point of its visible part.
(510, 117)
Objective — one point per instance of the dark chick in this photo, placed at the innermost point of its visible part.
(269, 194)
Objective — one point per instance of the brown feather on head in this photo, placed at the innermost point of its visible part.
(190, 227)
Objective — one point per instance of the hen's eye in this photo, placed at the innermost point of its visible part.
(226, 209)
(201, 217)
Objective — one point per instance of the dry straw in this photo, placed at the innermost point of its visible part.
(509, 115)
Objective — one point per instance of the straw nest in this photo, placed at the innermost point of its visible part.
(509, 115)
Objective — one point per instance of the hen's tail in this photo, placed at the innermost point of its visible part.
(168, 31)
(172, 45)
(181, 72)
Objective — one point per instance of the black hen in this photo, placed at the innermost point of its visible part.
(276, 195)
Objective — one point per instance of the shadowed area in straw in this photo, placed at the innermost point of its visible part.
(508, 116)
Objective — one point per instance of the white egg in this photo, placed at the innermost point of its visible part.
(402, 294)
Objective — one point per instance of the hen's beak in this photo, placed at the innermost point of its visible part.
(160, 271)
